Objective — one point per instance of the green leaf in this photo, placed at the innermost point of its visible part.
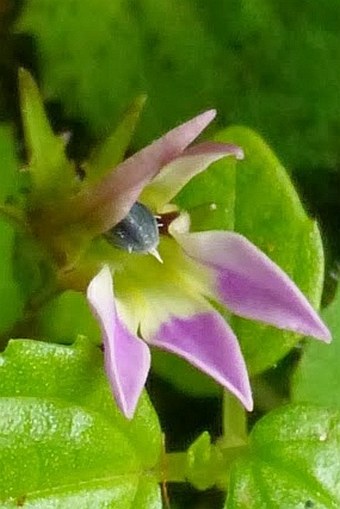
(254, 197)
(215, 53)
(210, 197)
(52, 174)
(292, 462)
(56, 410)
(317, 378)
(258, 200)
(269, 213)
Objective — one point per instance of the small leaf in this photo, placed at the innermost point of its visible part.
(52, 174)
(203, 462)
(57, 410)
(293, 462)
(317, 378)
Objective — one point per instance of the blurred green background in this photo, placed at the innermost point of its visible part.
(272, 65)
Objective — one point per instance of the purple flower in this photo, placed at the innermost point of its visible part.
(168, 305)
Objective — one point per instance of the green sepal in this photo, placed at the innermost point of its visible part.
(53, 175)
(111, 152)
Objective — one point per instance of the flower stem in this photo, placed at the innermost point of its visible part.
(175, 467)
(234, 423)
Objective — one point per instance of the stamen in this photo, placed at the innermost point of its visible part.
(154, 252)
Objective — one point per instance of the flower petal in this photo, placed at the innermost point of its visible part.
(127, 358)
(180, 171)
(195, 331)
(250, 284)
(207, 342)
(112, 199)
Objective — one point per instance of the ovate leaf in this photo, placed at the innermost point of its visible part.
(269, 213)
(256, 198)
(63, 442)
(317, 378)
(292, 463)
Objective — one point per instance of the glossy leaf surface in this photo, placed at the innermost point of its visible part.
(293, 462)
(64, 442)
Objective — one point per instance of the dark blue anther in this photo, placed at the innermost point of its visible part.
(137, 232)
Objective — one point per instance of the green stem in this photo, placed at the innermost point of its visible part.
(175, 467)
(235, 432)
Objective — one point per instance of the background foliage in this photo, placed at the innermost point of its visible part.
(270, 65)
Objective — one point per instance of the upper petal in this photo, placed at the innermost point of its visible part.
(110, 201)
(127, 358)
(250, 284)
(190, 328)
(180, 171)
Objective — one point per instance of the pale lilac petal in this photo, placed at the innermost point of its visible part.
(250, 284)
(127, 358)
(111, 200)
(181, 170)
(207, 342)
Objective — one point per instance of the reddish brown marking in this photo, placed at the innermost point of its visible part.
(21, 501)
(164, 221)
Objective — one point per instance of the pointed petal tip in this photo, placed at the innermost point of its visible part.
(248, 403)
(210, 113)
(198, 123)
(245, 395)
(322, 332)
(207, 342)
(250, 284)
(239, 154)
